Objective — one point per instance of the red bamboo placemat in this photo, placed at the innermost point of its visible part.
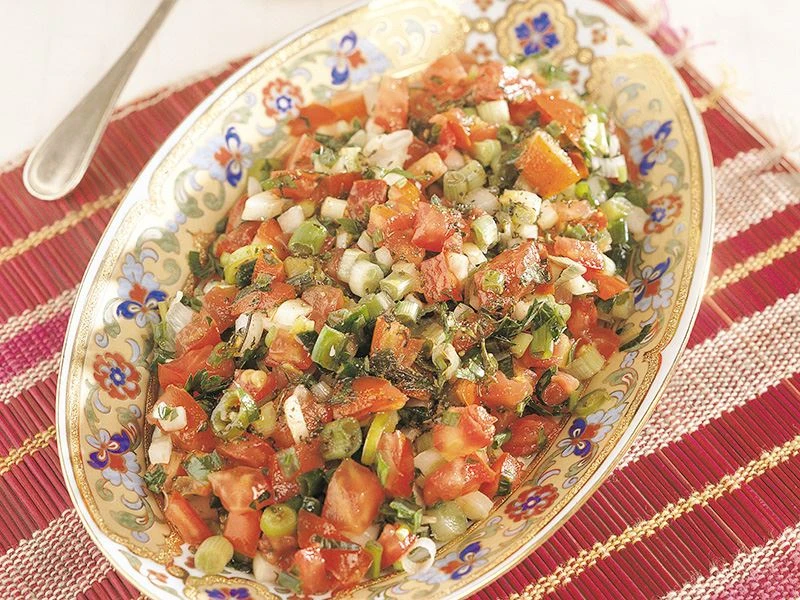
(704, 505)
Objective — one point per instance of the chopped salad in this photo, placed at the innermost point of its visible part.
(391, 323)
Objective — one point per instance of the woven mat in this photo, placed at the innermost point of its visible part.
(704, 505)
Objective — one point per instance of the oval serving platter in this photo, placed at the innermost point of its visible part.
(198, 173)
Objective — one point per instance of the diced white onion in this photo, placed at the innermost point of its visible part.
(548, 216)
(428, 461)
(394, 179)
(349, 160)
(521, 309)
(176, 420)
(264, 205)
(495, 112)
(383, 257)
(253, 325)
(458, 265)
(292, 219)
(178, 314)
(390, 150)
(578, 286)
(349, 258)
(160, 449)
(528, 232)
(636, 220)
(365, 242)
(483, 199)
(344, 239)
(609, 268)
(253, 186)
(462, 309)
(416, 566)
(291, 310)
(370, 534)
(321, 390)
(332, 208)
(263, 570)
(294, 414)
(359, 138)
(447, 353)
(474, 254)
(476, 505)
(454, 160)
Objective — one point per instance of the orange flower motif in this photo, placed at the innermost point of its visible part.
(116, 375)
(282, 99)
(481, 51)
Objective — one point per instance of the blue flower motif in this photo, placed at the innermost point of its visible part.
(650, 144)
(653, 287)
(225, 157)
(118, 465)
(355, 59)
(224, 593)
(585, 432)
(140, 293)
(536, 35)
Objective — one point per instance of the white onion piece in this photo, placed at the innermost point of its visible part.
(178, 314)
(483, 199)
(291, 310)
(264, 205)
(294, 414)
(458, 265)
(365, 242)
(548, 216)
(528, 232)
(361, 539)
(263, 570)
(384, 258)
(578, 286)
(291, 219)
(160, 449)
(473, 254)
(253, 332)
(321, 390)
(476, 505)
(332, 208)
(636, 220)
(428, 460)
(176, 420)
(349, 258)
(454, 160)
(521, 308)
(343, 239)
(413, 566)
(253, 187)
(390, 150)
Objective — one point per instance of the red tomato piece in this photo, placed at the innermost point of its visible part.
(241, 488)
(434, 225)
(395, 541)
(608, 286)
(443, 78)
(391, 107)
(438, 282)
(504, 466)
(455, 478)
(349, 106)
(504, 392)
(295, 184)
(235, 214)
(287, 349)
(473, 431)
(605, 340)
(354, 497)
(346, 567)
(568, 114)
(397, 234)
(249, 450)
(529, 434)
(415, 151)
(583, 316)
(283, 487)
(259, 384)
(397, 454)
(177, 372)
(545, 165)
(271, 235)
(217, 303)
(201, 331)
(581, 251)
(311, 567)
(337, 185)
(396, 338)
(312, 117)
(311, 526)
(486, 86)
(518, 266)
(458, 124)
(268, 265)
(241, 235)
(300, 156)
(364, 195)
(559, 388)
(197, 435)
(242, 530)
(370, 395)
(324, 299)
(186, 520)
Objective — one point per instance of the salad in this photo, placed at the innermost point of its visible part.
(391, 322)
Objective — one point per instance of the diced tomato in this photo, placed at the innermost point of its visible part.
(249, 450)
(504, 466)
(396, 338)
(177, 372)
(271, 235)
(444, 77)
(241, 488)
(605, 340)
(560, 350)
(311, 526)
(568, 114)
(296, 184)
(397, 233)
(324, 299)
(283, 487)
(415, 151)
(365, 194)
(268, 267)
(434, 225)
(337, 185)
(397, 454)
(354, 497)
(473, 431)
(465, 392)
(311, 117)
(404, 197)
(349, 106)
(235, 214)
(559, 388)
(201, 331)
(311, 567)
(259, 384)
(287, 349)
(197, 435)
(581, 251)
(242, 530)
(370, 395)
(481, 131)
(504, 392)
(529, 435)
(455, 478)
(457, 124)
(545, 165)
(217, 303)
(583, 316)
(422, 105)
(486, 86)
(574, 210)
(263, 301)
(309, 453)
(241, 235)
(438, 282)
(579, 162)
(395, 541)
(346, 567)
(391, 106)
(300, 156)
(519, 267)
(608, 286)
(186, 520)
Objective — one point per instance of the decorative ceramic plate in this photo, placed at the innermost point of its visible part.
(195, 177)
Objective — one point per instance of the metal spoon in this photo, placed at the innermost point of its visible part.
(56, 166)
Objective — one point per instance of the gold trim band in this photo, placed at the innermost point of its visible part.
(30, 446)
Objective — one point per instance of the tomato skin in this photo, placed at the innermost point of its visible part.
(455, 478)
(346, 567)
(239, 488)
(443, 78)
(583, 316)
(201, 331)
(249, 450)
(217, 303)
(287, 349)
(197, 435)
(324, 299)
(438, 282)
(300, 157)
(311, 117)
(349, 105)
(186, 519)
(371, 395)
(391, 108)
(560, 350)
(264, 301)
(310, 525)
(365, 194)
(271, 235)
(302, 185)
(395, 337)
(474, 430)
(515, 264)
(241, 235)
(243, 531)
(354, 497)
(608, 286)
(396, 451)
(559, 388)
(526, 434)
(259, 384)
(581, 251)
(394, 546)
(311, 567)
(605, 340)
(505, 392)
(507, 466)
(177, 372)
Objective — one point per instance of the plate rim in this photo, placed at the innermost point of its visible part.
(670, 353)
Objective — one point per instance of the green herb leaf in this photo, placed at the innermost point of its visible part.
(199, 466)
(155, 478)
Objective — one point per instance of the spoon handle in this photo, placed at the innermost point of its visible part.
(56, 166)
